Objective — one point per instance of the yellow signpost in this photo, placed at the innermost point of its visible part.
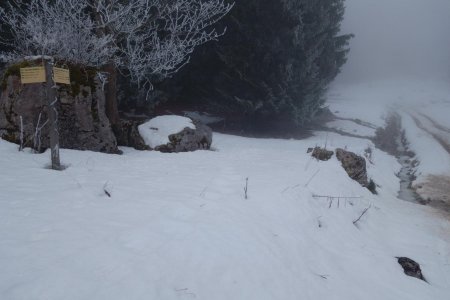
(50, 75)
(32, 75)
(61, 75)
(37, 75)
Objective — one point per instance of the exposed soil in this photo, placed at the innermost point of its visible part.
(436, 191)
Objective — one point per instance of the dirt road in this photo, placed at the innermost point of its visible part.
(436, 188)
(439, 132)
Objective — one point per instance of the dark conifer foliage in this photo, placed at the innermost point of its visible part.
(275, 61)
(3, 35)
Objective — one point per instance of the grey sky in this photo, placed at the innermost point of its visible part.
(397, 38)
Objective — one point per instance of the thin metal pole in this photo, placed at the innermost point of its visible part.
(52, 115)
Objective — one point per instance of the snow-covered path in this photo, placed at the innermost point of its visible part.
(177, 226)
(440, 133)
(424, 108)
(431, 141)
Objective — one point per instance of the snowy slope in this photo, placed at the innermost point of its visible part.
(177, 226)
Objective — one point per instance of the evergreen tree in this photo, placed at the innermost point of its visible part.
(275, 61)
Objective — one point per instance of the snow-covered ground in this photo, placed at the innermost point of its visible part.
(177, 226)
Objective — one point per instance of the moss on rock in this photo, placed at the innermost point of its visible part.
(14, 70)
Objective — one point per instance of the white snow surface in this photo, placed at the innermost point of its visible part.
(177, 226)
(156, 132)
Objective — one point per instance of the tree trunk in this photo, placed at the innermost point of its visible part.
(111, 106)
(52, 116)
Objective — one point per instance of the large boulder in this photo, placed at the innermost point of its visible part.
(354, 165)
(176, 134)
(82, 121)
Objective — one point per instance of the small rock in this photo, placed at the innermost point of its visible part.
(411, 268)
(321, 154)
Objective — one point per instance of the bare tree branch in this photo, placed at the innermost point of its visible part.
(145, 38)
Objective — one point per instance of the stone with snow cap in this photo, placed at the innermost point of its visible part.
(176, 134)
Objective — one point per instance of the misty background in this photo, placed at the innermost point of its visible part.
(397, 38)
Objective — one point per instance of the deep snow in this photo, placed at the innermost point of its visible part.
(177, 226)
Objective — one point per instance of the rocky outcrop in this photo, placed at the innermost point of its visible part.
(189, 139)
(127, 135)
(82, 121)
(321, 154)
(354, 165)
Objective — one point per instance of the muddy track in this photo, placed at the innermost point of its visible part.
(436, 189)
(435, 124)
(438, 138)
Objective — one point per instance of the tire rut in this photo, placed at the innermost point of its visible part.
(435, 124)
(439, 139)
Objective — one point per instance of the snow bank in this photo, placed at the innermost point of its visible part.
(156, 131)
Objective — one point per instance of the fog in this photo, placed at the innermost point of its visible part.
(397, 38)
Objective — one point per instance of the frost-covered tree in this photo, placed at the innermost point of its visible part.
(275, 62)
(140, 38)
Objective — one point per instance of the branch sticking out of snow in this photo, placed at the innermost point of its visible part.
(363, 213)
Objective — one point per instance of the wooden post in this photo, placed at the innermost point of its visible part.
(52, 115)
